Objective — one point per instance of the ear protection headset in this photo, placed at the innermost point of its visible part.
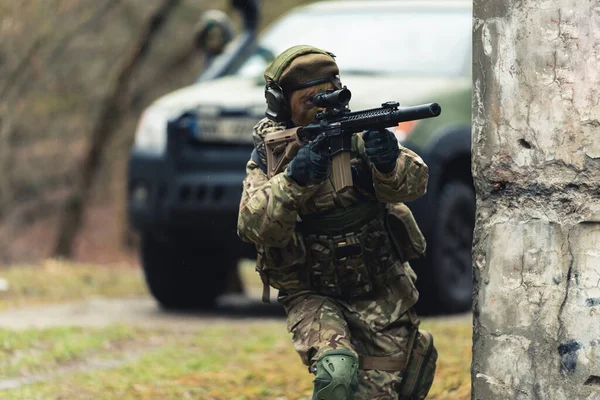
(277, 105)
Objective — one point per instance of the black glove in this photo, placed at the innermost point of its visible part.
(382, 149)
(362, 177)
(309, 165)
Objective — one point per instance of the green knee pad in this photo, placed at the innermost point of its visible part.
(337, 376)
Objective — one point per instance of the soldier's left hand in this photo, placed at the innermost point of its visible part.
(382, 149)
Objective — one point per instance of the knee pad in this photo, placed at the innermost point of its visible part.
(337, 376)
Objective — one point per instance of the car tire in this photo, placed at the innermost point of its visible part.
(450, 253)
(180, 275)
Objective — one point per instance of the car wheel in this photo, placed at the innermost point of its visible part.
(181, 275)
(451, 247)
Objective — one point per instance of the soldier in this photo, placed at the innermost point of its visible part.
(212, 33)
(343, 280)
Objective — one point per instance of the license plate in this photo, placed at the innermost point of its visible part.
(235, 128)
(225, 129)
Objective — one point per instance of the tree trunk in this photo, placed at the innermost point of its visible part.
(107, 124)
(536, 165)
(5, 161)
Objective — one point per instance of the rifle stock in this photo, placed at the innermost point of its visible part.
(281, 147)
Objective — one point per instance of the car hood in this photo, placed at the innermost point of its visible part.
(242, 93)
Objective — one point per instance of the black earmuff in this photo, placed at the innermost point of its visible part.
(277, 107)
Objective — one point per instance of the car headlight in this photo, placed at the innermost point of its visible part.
(151, 133)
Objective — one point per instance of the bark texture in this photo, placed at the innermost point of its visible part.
(108, 122)
(536, 165)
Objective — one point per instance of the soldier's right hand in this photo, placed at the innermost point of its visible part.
(311, 164)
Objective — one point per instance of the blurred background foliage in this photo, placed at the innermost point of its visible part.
(58, 59)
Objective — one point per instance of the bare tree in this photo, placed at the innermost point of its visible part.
(110, 117)
(5, 134)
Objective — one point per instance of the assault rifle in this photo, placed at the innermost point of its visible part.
(338, 124)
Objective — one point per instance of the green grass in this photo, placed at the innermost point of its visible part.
(225, 359)
(240, 360)
(39, 351)
(58, 281)
(453, 342)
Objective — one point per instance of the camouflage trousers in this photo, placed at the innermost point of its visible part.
(375, 325)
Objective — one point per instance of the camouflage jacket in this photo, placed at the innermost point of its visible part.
(270, 210)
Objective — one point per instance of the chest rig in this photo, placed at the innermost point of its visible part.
(341, 240)
(348, 250)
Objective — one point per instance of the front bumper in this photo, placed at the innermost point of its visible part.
(201, 189)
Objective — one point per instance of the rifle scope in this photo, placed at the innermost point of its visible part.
(332, 98)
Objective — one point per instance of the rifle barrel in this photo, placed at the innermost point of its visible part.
(379, 118)
(419, 112)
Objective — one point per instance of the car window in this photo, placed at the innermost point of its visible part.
(432, 42)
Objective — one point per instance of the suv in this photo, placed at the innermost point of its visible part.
(184, 189)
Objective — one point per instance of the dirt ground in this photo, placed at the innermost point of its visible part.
(145, 312)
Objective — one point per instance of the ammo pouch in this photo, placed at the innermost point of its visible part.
(349, 265)
(420, 369)
(282, 267)
(348, 250)
(404, 231)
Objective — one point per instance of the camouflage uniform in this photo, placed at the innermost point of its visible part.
(362, 302)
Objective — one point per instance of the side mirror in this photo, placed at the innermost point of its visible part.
(213, 32)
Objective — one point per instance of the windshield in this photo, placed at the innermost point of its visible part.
(430, 42)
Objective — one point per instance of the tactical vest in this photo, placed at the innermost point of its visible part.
(344, 244)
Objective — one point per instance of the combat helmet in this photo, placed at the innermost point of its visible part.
(296, 68)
